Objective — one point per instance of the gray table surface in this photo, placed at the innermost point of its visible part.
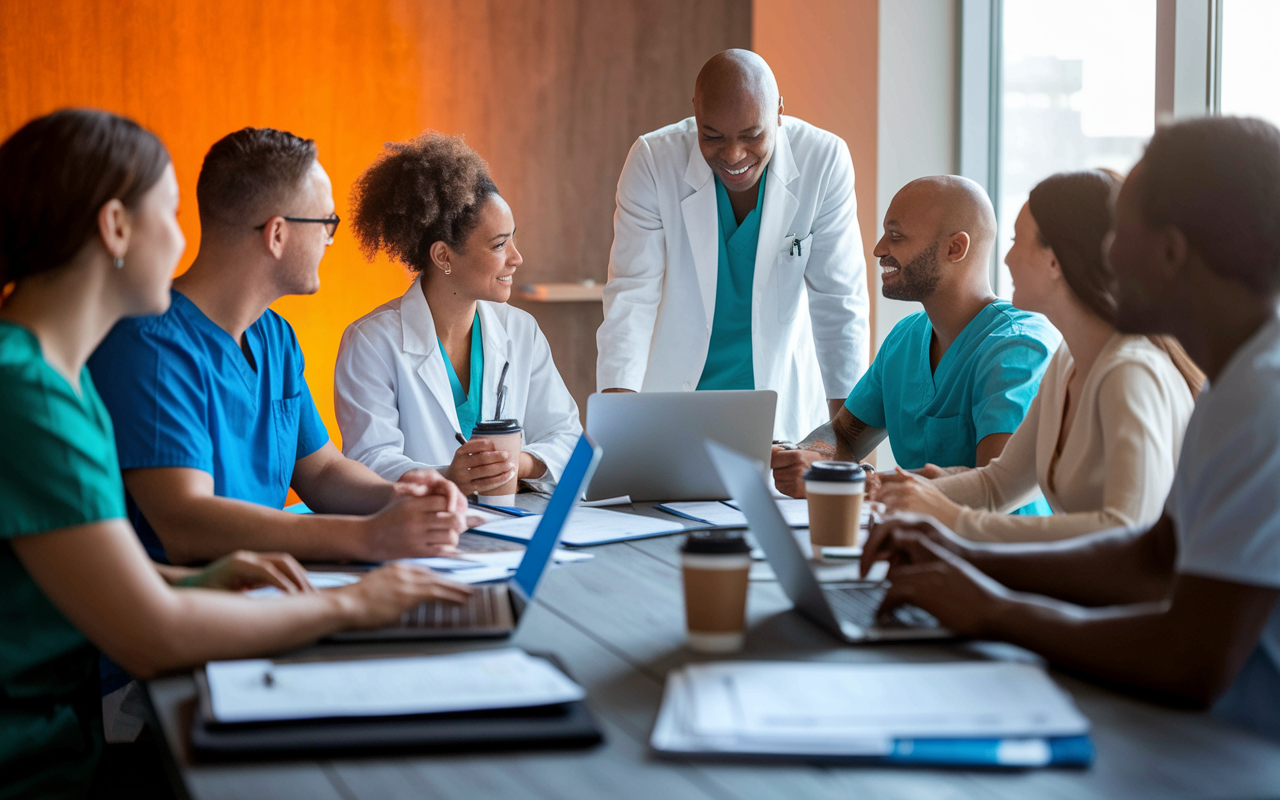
(616, 623)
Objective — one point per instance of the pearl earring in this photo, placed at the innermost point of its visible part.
(118, 262)
(447, 271)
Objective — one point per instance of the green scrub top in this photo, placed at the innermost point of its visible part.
(59, 470)
(467, 404)
(728, 363)
(982, 385)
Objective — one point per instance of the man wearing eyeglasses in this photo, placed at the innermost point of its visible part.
(213, 418)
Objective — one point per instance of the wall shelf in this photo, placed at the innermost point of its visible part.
(582, 292)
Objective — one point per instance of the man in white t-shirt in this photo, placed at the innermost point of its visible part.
(1185, 610)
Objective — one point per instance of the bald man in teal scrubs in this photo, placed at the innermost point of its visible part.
(950, 383)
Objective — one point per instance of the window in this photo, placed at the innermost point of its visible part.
(1251, 59)
(1077, 92)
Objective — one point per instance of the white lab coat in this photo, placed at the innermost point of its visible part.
(809, 309)
(393, 400)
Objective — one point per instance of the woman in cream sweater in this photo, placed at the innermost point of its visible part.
(1102, 436)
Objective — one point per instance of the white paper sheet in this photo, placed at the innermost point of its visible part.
(861, 709)
(620, 500)
(507, 678)
(808, 701)
(320, 580)
(795, 512)
(512, 558)
(587, 526)
(712, 512)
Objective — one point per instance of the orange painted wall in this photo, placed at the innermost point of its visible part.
(194, 71)
(825, 54)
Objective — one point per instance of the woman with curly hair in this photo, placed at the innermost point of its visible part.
(416, 374)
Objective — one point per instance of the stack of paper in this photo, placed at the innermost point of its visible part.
(968, 712)
(260, 690)
(585, 526)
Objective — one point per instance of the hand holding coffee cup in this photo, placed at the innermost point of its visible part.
(496, 478)
(835, 491)
(716, 566)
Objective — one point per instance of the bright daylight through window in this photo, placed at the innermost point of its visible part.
(1251, 58)
(1078, 92)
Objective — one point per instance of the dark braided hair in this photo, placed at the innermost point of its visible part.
(427, 190)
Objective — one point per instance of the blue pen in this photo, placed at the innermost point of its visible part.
(515, 512)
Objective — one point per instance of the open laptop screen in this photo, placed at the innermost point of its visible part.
(576, 473)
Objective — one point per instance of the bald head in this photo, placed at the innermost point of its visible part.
(952, 204)
(736, 76)
(738, 110)
(939, 229)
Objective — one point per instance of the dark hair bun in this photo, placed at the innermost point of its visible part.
(427, 190)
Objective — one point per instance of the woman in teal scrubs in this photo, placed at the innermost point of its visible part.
(88, 235)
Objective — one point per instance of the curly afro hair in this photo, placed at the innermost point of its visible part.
(427, 190)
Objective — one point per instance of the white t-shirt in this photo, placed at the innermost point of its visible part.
(1225, 500)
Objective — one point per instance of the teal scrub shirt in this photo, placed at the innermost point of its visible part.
(58, 470)
(467, 405)
(728, 363)
(983, 385)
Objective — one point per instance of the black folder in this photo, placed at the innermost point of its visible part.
(558, 726)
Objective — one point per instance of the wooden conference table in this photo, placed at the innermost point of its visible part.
(616, 623)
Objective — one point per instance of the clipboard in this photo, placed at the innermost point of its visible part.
(558, 726)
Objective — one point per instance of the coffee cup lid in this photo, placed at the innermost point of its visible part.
(835, 472)
(496, 426)
(716, 543)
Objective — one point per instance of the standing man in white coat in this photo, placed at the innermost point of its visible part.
(737, 261)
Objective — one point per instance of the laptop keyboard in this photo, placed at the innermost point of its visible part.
(488, 607)
(859, 604)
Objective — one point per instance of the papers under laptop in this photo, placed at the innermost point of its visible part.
(495, 609)
(965, 713)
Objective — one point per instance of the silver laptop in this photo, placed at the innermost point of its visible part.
(653, 440)
(848, 609)
(495, 609)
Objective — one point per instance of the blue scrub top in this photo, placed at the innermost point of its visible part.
(182, 394)
(728, 364)
(983, 385)
(467, 405)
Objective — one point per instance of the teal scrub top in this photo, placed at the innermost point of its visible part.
(59, 470)
(728, 363)
(467, 405)
(983, 385)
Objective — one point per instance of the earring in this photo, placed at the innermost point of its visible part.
(118, 262)
(447, 271)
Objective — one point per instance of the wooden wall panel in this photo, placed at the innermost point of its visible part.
(551, 92)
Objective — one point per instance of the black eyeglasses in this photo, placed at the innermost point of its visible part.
(330, 223)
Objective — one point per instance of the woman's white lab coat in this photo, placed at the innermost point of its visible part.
(393, 400)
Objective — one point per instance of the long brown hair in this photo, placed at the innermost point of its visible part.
(56, 172)
(1073, 211)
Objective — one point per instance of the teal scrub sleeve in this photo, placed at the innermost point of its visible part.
(156, 392)
(1006, 380)
(866, 401)
(57, 470)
